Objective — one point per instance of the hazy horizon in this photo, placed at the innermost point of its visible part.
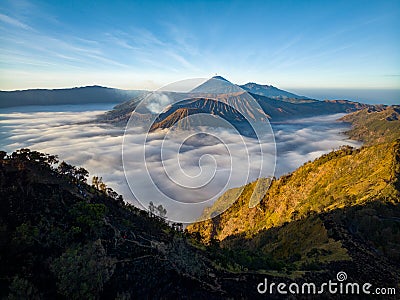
(370, 96)
(366, 95)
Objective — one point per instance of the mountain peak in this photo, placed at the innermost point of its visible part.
(256, 84)
(220, 78)
(272, 92)
(217, 85)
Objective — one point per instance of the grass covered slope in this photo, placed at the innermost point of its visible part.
(339, 212)
(375, 124)
(342, 178)
(62, 238)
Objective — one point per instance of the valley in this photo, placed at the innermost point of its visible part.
(322, 212)
(338, 212)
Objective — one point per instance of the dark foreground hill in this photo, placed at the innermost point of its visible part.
(61, 237)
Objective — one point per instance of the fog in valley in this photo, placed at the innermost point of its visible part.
(215, 161)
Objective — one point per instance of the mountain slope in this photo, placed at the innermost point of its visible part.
(375, 125)
(81, 95)
(174, 116)
(236, 109)
(280, 110)
(274, 110)
(335, 180)
(274, 93)
(340, 212)
(216, 85)
(62, 238)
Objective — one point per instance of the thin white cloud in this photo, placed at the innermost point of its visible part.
(14, 22)
(118, 41)
(181, 60)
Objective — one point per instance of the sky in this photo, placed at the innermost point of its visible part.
(146, 44)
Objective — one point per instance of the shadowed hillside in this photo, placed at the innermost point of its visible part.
(61, 237)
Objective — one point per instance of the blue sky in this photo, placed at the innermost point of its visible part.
(145, 44)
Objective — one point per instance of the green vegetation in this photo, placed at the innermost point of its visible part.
(63, 238)
(342, 207)
(82, 271)
(339, 179)
(373, 125)
(340, 210)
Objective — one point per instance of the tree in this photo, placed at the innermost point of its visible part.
(98, 183)
(3, 154)
(66, 169)
(113, 194)
(88, 216)
(74, 173)
(102, 186)
(152, 208)
(81, 174)
(52, 159)
(120, 199)
(83, 271)
(26, 155)
(21, 288)
(95, 182)
(162, 212)
(157, 210)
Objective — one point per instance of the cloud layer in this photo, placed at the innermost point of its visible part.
(191, 170)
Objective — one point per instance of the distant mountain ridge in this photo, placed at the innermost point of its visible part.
(100, 94)
(273, 110)
(377, 124)
(221, 98)
(278, 106)
(76, 95)
(274, 93)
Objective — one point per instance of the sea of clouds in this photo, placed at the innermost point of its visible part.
(189, 174)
